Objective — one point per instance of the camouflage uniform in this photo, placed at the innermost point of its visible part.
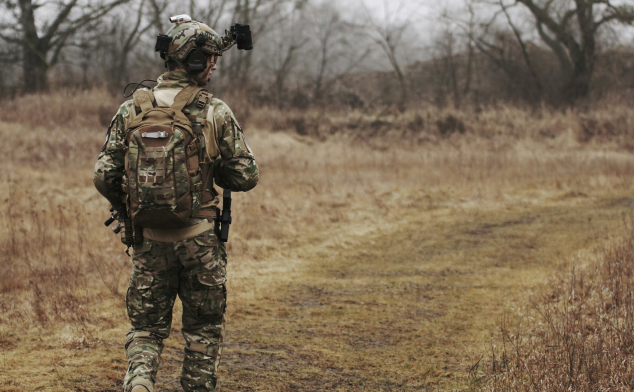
(176, 262)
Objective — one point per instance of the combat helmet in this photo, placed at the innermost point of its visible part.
(189, 42)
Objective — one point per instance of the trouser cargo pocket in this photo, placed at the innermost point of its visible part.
(212, 294)
(139, 302)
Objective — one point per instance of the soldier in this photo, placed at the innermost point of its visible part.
(185, 259)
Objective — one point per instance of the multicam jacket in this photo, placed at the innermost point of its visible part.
(234, 166)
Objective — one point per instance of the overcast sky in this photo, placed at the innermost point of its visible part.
(425, 14)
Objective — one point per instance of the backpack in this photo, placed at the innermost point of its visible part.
(166, 179)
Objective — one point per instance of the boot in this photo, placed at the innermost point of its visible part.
(141, 385)
(140, 388)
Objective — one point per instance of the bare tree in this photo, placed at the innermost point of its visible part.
(454, 55)
(122, 40)
(41, 36)
(289, 39)
(263, 16)
(210, 13)
(511, 53)
(387, 33)
(570, 29)
(157, 8)
(333, 52)
(446, 64)
(325, 30)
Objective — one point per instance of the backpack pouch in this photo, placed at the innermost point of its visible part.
(159, 178)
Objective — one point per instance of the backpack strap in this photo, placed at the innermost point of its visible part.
(203, 100)
(213, 150)
(144, 99)
(202, 103)
(202, 97)
(185, 97)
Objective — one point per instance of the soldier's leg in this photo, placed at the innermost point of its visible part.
(204, 296)
(150, 298)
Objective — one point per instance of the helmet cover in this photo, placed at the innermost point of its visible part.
(190, 35)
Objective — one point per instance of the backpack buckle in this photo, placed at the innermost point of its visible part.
(193, 146)
(203, 98)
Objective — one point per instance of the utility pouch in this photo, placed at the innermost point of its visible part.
(138, 234)
(127, 232)
(130, 234)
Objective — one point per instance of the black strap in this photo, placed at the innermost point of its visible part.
(140, 84)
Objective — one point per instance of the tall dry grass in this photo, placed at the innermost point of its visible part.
(55, 260)
(577, 335)
(609, 122)
(61, 109)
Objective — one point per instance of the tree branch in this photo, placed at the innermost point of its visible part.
(518, 36)
(135, 34)
(84, 20)
(61, 17)
(623, 14)
(11, 40)
(57, 50)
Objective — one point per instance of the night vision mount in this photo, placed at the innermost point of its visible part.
(241, 34)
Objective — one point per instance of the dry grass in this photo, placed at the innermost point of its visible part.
(577, 334)
(357, 264)
(605, 123)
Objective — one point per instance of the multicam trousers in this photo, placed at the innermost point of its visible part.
(195, 269)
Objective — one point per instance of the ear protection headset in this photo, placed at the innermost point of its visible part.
(196, 61)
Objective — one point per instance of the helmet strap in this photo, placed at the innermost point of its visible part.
(202, 82)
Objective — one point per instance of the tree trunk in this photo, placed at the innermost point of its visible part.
(35, 71)
(402, 104)
(578, 86)
(391, 52)
(34, 56)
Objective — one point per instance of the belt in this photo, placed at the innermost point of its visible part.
(174, 235)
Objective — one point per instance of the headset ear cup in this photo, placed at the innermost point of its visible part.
(196, 61)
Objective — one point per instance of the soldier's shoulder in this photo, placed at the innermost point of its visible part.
(122, 118)
(219, 107)
(221, 111)
(126, 108)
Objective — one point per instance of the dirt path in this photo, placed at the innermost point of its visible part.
(410, 306)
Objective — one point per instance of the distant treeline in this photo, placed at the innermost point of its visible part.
(316, 53)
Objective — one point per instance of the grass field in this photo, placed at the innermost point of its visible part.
(355, 265)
